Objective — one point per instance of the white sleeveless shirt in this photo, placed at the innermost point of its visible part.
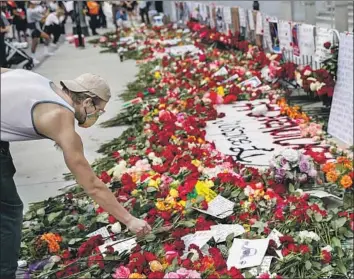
(21, 91)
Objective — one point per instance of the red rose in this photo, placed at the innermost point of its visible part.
(96, 259)
(140, 95)
(326, 256)
(204, 205)
(230, 99)
(81, 227)
(149, 256)
(327, 45)
(111, 219)
(156, 275)
(105, 177)
(66, 255)
(304, 249)
(264, 276)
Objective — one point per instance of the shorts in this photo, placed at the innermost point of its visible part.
(35, 33)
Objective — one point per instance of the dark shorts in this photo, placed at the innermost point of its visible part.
(35, 33)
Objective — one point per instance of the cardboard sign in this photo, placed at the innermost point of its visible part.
(340, 123)
(235, 20)
(307, 39)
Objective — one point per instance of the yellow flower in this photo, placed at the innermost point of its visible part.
(203, 189)
(153, 183)
(156, 266)
(162, 106)
(346, 181)
(157, 75)
(134, 192)
(155, 112)
(221, 91)
(160, 205)
(174, 193)
(201, 141)
(332, 176)
(182, 203)
(247, 227)
(197, 163)
(136, 276)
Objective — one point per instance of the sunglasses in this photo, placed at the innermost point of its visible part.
(100, 111)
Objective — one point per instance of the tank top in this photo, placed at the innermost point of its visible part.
(21, 91)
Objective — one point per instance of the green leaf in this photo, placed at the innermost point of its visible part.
(340, 222)
(41, 212)
(291, 188)
(349, 234)
(327, 269)
(336, 242)
(308, 265)
(102, 218)
(341, 268)
(188, 224)
(234, 194)
(74, 240)
(52, 216)
(150, 237)
(230, 240)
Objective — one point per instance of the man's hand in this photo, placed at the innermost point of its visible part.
(138, 226)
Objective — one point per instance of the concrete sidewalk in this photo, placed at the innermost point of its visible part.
(40, 166)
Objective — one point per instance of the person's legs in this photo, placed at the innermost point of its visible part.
(93, 24)
(2, 52)
(11, 215)
(56, 31)
(146, 11)
(36, 34)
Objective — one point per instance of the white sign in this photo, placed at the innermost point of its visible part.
(259, 24)
(253, 81)
(285, 35)
(223, 231)
(307, 39)
(247, 253)
(198, 238)
(120, 247)
(323, 36)
(242, 16)
(227, 15)
(232, 78)
(263, 268)
(219, 208)
(221, 72)
(253, 140)
(251, 20)
(340, 123)
(182, 50)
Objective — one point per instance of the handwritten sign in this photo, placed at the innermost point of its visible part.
(263, 268)
(254, 82)
(340, 123)
(307, 39)
(323, 35)
(223, 231)
(259, 24)
(120, 247)
(253, 140)
(285, 35)
(247, 253)
(199, 238)
(219, 208)
(251, 20)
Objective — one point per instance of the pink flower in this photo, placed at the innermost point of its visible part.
(122, 272)
(190, 274)
(172, 275)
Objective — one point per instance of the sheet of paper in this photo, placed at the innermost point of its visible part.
(120, 247)
(321, 194)
(340, 123)
(221, 72)
(285, 35)
(247, 253)
(259, 24)
(307, 39)
(274, 235)
(223, 231)
(235, 76)
(263, 268)
(254, 82)
(219, 208)
(227, 15)
(242, 16)
(323, 35)
(103, 232)
(250, 20)
(199, 238)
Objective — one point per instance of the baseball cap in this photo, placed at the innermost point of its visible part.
(91, 84)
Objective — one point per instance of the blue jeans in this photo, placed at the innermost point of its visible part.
(11, 216)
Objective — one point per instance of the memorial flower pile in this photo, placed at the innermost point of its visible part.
(212, 217)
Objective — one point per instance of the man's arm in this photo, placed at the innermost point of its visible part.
(58, 124)
(4, 70)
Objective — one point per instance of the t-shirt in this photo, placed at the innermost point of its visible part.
(142, 4)
(69, 6)
(34, 14)
(51, 19)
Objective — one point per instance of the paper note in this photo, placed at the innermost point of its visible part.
(219, 208)
(251, 20)
(323, 35)
(263, 268)
(340, 123)
(223, 231)
(254, 82)
(199, 238)
(221, 72)
(274, 235)
(321, 194)
(103, 232)
(247, 253)
(235, 76)
(259, 24)
(227, 15)
(120, 247)
(285, 39)
(242, 16)
(307, 39)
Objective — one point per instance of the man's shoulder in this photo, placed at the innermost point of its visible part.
(53, 112)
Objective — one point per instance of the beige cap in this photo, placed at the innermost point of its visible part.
(91, 84)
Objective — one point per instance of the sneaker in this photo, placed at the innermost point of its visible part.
(53, 45)
(48, 53)
(35, 61)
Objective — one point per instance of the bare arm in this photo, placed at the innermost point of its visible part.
(4, 70)
(59, 126)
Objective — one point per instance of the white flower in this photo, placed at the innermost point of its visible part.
(308, 236)
(290, 155)
(151, 156)
(328, 248)
(157, 161)
(307, 73)
(116, 228)
(260, 110)
(194, 255)
(248, 191)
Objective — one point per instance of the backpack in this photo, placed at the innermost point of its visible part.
(93, 7)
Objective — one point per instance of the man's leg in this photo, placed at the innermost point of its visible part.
(11, 215)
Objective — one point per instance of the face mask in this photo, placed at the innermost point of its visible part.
(90, 120)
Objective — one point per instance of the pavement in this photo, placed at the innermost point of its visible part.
(40, 166)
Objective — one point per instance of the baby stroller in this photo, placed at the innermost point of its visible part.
(15, 55)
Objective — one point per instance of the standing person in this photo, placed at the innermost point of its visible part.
(52, 25)
(102, 16)
(144, 12)
(4, 28)
(255, 5)
(48, 111)
(159, 6)
(93, 11)
(69, 7)
(34, 17)
(130, 7)
(63, 17)
(19, 18)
